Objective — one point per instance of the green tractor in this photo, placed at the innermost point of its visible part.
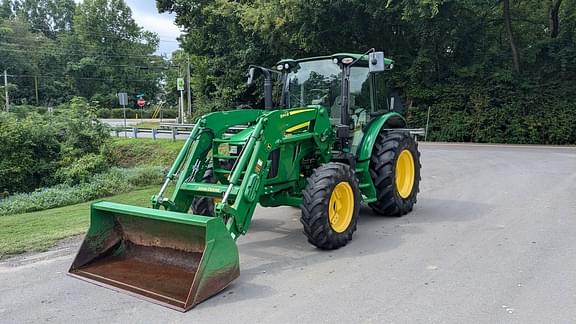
(331, 143)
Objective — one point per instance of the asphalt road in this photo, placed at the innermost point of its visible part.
(492, 240)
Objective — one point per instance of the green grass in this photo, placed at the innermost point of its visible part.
(38, 231)
(129, 153)
(41, 230)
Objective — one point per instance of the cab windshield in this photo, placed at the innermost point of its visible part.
(315, 83)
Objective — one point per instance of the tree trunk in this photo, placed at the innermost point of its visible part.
(508, 25)
(554, 18)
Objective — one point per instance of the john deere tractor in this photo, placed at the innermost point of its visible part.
(329, 143)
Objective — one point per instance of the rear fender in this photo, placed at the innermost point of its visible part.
(389, 120)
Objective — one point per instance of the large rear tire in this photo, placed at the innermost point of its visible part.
(330, 206)
(395, 170)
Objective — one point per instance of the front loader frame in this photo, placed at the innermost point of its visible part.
(246, 184)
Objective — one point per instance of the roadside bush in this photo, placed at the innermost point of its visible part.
(30, 150)
(104, 113)
(112, 182)
(24, 110)
(83, 133)
(41, 150)
(83, 169)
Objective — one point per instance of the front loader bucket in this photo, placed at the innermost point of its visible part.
(174, 259)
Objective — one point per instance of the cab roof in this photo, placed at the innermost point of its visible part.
(362, 58)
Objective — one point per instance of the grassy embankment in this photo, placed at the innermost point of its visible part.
(41, 230)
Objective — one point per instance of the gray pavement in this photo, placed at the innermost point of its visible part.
(491, 240)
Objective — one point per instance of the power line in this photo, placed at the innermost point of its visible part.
(62, 51)
(54, 44)
(161, 38)
(80, 78)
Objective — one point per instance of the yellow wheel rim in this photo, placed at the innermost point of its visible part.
(341, 207)
(405, 174)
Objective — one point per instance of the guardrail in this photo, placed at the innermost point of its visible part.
(184, 129)
(173, 130)
(154, 132)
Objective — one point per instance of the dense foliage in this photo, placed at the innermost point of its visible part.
(42, 150)
(54, 50)
(112, 182)
(490, 70)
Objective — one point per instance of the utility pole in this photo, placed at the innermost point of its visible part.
(181, 106)
(6, 91)
(427, 125)
(36, 87)
(188, 88)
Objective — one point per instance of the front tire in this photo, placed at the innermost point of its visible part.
(330, 206)
(395, 170)
(205, 205)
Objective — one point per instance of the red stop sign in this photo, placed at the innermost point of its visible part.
(141, 102)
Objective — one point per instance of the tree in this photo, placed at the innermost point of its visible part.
(49, 17)
(107, 52)
(55, 50)
(462, 57)
(554, 13)
(508, 23)
(6, 9)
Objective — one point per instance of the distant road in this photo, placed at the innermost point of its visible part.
(492, 239)
(132, 122)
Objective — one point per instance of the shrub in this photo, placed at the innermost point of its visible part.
(104, 113)
(38, 150)
(83, 169)
(113, 182)
(30, 151)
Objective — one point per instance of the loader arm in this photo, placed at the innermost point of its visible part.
(247, 180)
(195, 150)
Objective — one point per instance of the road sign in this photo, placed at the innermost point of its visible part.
(180, 84)
(141, 102)
(123, 97)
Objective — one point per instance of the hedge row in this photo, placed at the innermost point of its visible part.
(113, 182)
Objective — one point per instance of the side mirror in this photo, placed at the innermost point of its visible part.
(376, 62)
(250, 76)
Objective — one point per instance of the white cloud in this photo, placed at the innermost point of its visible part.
(163, 26)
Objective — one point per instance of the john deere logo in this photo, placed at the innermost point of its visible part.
(269, 147)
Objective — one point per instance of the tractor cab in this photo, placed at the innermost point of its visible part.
(347, 85)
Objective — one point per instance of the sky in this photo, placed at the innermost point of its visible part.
(146, 15)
